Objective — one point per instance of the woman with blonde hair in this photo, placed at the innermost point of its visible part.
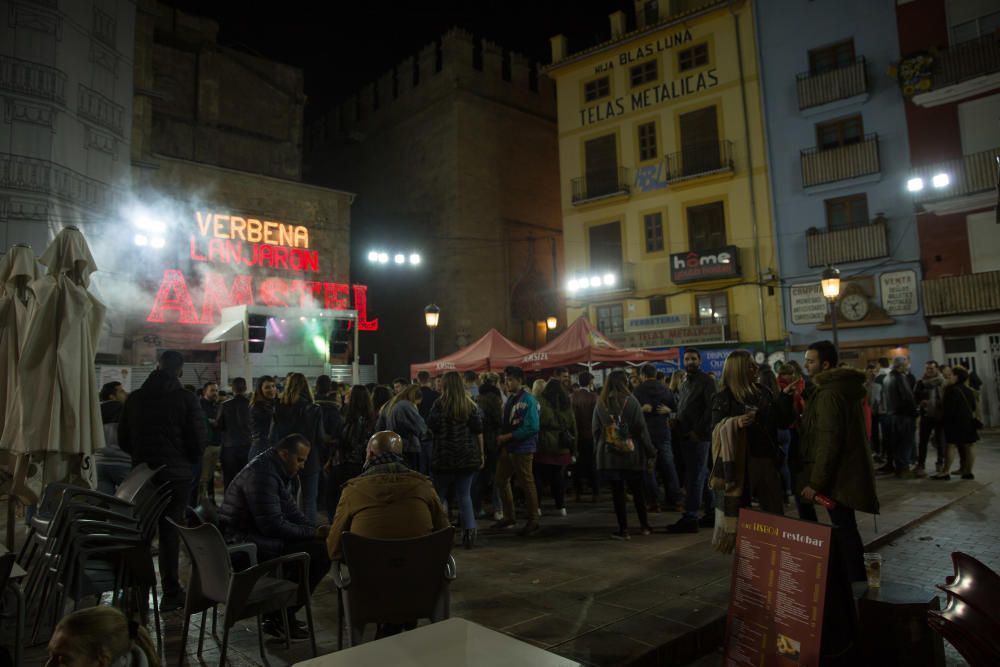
(296, 412)
(758, 413)
(101, 637)
(677, 381)
(457, 424)
(537, 387)
(402, 415)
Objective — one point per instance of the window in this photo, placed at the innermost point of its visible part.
(653, 229)
(971, 19)
(840, 132)
(596, 89)
(642, 73)
(713, 308)
(845, 212)
(657, 305)
(706, 226)
(829, 58)
(601, 166)
(611, 319)
(700, 149)
(651, 12)
(606, 249)
(696, 56)
(647, 142)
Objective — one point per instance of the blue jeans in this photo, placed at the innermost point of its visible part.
(667, 470)
(462, 481)
(110, 475)
(695, 453)
(309, 488)
(903, 434)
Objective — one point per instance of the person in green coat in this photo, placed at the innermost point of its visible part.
(556, 442)
(836, 461)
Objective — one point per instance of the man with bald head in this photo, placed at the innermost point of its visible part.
(387, 500)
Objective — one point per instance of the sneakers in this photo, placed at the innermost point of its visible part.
(647, 530)
(173, 601)
(562, 511)
(498, 516)
(539, 511)
(940, 476)
(684, 525)
(529, 529)
(621, 536)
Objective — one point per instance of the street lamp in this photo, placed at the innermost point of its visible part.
(432, 314)
(551, 322)
(831, 291)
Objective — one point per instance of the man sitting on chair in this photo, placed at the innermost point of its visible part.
(388, 500)
(258, 508)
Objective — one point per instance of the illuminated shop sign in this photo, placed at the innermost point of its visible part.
(693, 266)
(236, 241)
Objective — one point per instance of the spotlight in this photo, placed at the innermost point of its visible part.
(383, 258)
(941, 180)
(609, 279)
(915, 184)
(158, 242)
(573, 285)
(141, 240)
(414, 259)
(399, 258)
(595, 281)
(373, 255)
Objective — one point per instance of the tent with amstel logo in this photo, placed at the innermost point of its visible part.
(479, 356)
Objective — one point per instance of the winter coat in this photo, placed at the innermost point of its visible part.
(306, 419)
(404, 419)
(491, 405)
(111, 453)
(456, 443)
(234, 422)
(427, 398)
(959, 406)
(388, 502)
(655, 394)
(584, 401)
(332, 419)
(551, 423)
(352, 442)
(163, 425)
(897, 395)
(932, 391)
(261, 416)
(211, 410)
(631, 415)
(836, 460)
(773, 412)
(694, 409)
(258, 508)
(520, 419)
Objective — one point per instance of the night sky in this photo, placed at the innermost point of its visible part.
(342, 45)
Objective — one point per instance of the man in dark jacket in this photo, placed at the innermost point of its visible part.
(929, 393)
(901, 406)
(836, 460)
(113, 465)
(205, 484)
(258, 508)
(658, 404)
(694, 426)
(584, 400)
(233, 423)
(163, 425)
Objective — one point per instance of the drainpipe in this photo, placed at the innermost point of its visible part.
(753, 194)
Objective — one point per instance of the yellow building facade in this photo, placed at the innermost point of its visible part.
(666, 212)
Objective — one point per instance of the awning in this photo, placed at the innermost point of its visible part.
(227, 331)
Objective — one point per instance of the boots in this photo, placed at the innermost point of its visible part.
(468, 538)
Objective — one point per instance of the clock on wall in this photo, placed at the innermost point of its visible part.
(854, 307)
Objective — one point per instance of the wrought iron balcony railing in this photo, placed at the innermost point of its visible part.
(969, 175)
(700, 159)
(968, 60)
(957, 295)
(851, 244)
(599, 184)
(821, 166)
(841, 83)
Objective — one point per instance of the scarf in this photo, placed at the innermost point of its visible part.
(729, 467)
(383, 459)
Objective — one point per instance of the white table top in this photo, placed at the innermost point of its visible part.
(455, 641)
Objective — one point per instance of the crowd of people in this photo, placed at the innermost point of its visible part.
(301, 464)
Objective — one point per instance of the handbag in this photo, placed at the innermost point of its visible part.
(617, 436)
(976, 422)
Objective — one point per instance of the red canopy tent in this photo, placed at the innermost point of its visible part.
(479, 356)
(582, 343)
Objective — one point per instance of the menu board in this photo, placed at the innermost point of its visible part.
(778, 591)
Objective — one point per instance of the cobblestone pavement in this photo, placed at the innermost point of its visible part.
(573, 591)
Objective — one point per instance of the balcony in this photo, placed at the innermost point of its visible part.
(960, 295)
(841, 163)
(971, 183)
(842, 246)
(600, 185)
(963, 70)
(839, 84)
(700, 159)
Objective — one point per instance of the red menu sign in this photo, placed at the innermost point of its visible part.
(778, 591)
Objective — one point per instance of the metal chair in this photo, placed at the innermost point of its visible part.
(976, 585)
(393, 581)
(252, 592)
(969, 631)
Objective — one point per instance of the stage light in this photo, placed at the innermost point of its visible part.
(573, 285)
(373, 255)
(595, 281)
(414, 259)
(609, 279)
(399, 258)
(941, 181)
(383, 258)
(915, 184)
(158, 242)
(141, 240)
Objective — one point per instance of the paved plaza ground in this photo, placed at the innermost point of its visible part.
(655, 600)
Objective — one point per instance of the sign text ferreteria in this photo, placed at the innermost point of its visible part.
(694, 266)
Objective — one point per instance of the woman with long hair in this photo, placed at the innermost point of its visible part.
(556, 442)
(623, 448)
(296, 412)
(381, 394)
(758, 413)
(101, 637)
(348, 458)
(490, 404)
(457, 425)
(961, 429)
(261, 414)
(402, 415)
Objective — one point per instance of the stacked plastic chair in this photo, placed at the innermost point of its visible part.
(970, 620)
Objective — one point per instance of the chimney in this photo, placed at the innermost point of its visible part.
(617, 24)
(558, 44)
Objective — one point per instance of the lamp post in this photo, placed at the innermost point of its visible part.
(551, 322)
(432, 314)
(831, 291)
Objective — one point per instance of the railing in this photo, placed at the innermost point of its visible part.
(969, 175)
(838, 84)
(971, 293)
(600, 184)
(852, 244)
(700, 159)
(968, 60)
(837, 164)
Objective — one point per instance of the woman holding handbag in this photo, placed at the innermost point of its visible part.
(961, 425)
(623, 449)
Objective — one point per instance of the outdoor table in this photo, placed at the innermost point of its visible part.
(455, 641)
(16, 574)
(893, 626)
